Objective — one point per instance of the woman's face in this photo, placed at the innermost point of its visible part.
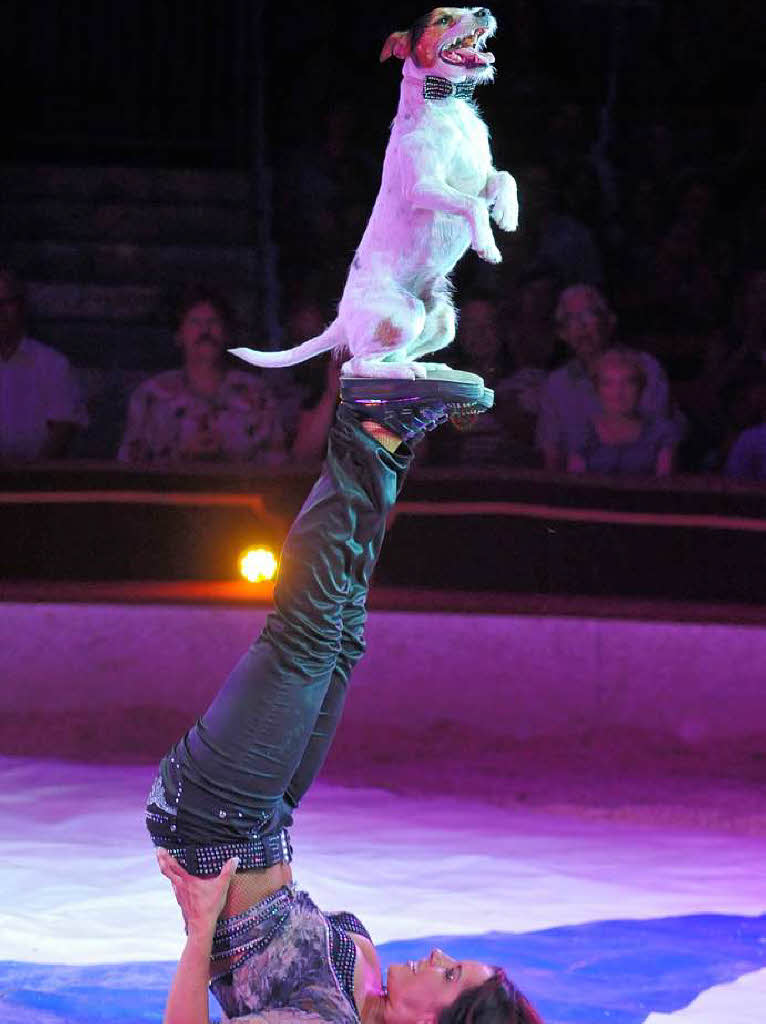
(583, 326)
(202, 334)
(420, 989)
(618, 389)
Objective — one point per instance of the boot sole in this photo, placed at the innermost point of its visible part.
(374, 390)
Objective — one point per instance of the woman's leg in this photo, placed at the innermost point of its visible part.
(368, 542)
(222, 789)
(235, 765)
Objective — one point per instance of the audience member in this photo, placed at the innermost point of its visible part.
(204, 411)
(655, 149)
(747, 457)
(531, 343)
(326, 190)
(40, 407)
(552, 236)
(317, 414)
(619, 439)
(317, 381)
(747, 340)
(568, 400)
(305, 319)
(530, 330)
(686, 285)
(743, 404)
(478, 343)
(488, 440)
(641, 221)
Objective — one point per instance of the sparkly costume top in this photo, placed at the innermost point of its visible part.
(288, 956)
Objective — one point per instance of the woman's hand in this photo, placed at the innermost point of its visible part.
(201, 899)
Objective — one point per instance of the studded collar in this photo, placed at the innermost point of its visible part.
(437, 88)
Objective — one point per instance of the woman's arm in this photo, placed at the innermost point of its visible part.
(314, 424)
(201, 901)
(187, 999)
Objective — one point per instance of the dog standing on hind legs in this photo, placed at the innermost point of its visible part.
(437, 194)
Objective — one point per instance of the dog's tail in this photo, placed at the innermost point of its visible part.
(329, 338)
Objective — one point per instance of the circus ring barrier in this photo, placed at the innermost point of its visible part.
(509, 607)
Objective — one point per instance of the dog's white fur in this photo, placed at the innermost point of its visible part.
(437, 193)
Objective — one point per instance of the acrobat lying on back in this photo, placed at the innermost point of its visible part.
(437, 193)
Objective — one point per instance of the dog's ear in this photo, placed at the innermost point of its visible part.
(398, 44)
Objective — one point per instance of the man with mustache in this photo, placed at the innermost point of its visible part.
(204, 411)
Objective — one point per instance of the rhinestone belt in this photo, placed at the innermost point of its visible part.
(260, 852)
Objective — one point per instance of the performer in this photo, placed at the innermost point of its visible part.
(225, 793)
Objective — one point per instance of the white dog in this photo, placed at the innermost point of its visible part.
(437, 193)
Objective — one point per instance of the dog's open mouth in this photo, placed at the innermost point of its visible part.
(468, 51)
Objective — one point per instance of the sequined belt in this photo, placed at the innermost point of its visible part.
(259, 852)
(252, 931)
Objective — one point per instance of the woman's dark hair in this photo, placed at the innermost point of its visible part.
(496, 1001)
(197, 293)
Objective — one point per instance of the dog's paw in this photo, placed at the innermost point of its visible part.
(485, 248)
(490, 253)
(506, 218)
(504, 202)
(360, 366)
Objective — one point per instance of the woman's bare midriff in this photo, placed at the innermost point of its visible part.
(248, 888)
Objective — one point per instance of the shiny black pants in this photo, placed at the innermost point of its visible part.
(239, 772)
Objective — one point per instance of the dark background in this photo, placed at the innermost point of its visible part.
(173, 81)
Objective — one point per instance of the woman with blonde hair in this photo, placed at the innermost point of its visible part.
(619, 438)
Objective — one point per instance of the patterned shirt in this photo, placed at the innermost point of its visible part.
(294, 963)
(169, 422)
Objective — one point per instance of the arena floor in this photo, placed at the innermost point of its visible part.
(597, 919)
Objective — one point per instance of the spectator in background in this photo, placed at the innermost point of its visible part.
(689, 266)
(488, 440)
(317, 414)
(568, 401)
(204, 411)
(722, 401)
(317, 381)
(619, 438)
(531, 343)
(529, 322)
(327, 186)
(553, 236)
(478, 342)
(747, 457)
(747, 341)
(40, 407)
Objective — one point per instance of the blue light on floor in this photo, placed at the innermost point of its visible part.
(613, 971)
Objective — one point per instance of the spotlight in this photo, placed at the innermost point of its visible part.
(258, 565)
